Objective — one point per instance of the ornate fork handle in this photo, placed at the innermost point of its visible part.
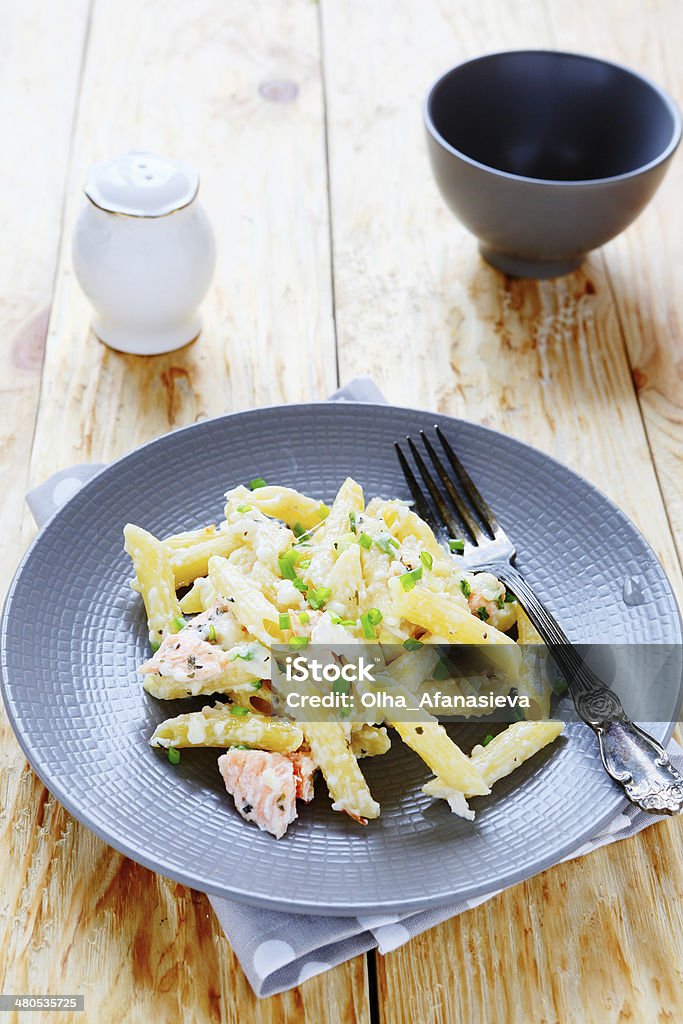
(630, 756)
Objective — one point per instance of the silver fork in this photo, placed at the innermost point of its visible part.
(633, 758)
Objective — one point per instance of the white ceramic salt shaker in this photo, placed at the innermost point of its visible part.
(144, 252)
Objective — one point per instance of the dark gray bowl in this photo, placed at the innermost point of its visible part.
(546, 155)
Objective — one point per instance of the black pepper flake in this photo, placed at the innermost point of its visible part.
(247, 808)
(419, 730)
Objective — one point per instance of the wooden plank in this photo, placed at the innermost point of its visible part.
(41, 49)
(545, 362)
(40, 60)
(644, 261)
(236, 89)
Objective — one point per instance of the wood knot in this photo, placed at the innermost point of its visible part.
(639, 379)
(28, 347)
(279, 90)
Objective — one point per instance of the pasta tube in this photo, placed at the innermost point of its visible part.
(225, 725)
(368, 740)
(332, 752)
(250, 607)
(154, 577)
(513, 746)
(292, 507)
(193, 560)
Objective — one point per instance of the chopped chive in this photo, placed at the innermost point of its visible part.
(257, 482)
(509, 598)
(465, 588)
(299, 584)
(352, 522)
(560, 687)
(426, 559)
(286, 566)
(442, 670)
(338, 621)
(298, 530)
(409, 579)
(244, 508)
(304, 563)
(179, 623)
(284, 621)
(516, 715)
(239, 746)
(323, 511)
(238, 711)
(365, 541)
(375, 616)
(155, 645)
(368, 628)
(456, 547)
(298, 641)
(387, 544)
(257, 683)
(247, 656)
(500, 602)
(173, 754)
(212, 631)
(482, 613)
(317, 598)
(487, 739)
(304, 617)
(412, 645)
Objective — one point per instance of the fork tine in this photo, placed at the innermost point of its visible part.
(437, 498)
(472, 492)
(421, 505)
(463, 511)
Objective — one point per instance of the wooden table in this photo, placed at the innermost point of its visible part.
(337, 256)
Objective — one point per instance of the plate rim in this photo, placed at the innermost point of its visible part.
(612, 805)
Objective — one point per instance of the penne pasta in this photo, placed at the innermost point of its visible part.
(333, 754)
(154, 576)
(284, 575)
(225, 725)
(250, 606)
(293, 508)
(513, 746)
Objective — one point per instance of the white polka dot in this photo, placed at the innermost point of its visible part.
(270, 955)
(312, 968)
(390, 936)
(65, 489)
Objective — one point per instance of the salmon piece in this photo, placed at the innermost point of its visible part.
(185, 658)
(304, 774)
(263, 786)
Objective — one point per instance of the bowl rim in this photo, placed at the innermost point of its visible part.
(666, 99)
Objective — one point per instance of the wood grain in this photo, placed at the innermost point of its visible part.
(644, 263)
(598, 940)
(235, 89)
(37, 109)
(238, 92)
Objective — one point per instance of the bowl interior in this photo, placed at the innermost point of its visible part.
(556, 116)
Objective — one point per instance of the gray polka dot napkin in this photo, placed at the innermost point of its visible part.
(280, 950)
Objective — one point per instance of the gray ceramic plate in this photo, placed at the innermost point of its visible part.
(73, 633)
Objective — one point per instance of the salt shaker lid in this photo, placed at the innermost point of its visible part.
(142, 184)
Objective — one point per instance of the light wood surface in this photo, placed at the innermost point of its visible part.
(304, 120)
